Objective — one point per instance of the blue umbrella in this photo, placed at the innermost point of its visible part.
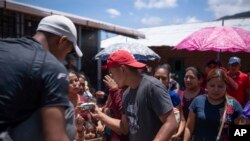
(139, 51)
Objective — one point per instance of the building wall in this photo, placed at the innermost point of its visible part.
(14, 24)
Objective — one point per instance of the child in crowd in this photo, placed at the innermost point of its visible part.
(84, 88)
(90, 130)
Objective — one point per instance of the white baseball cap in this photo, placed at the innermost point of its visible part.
(62, 26)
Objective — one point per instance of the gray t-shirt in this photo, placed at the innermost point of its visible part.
(31, 129)
(144, 106)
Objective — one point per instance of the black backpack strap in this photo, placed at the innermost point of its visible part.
(39, 57)
(36, 69)
(38, 61)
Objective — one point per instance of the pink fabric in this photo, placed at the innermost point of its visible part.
(218, 39)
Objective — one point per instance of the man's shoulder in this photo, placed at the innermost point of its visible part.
(19, 53)
(243, 75)
(19, 44)
(23, 41)
(51, 63)
(150, 80)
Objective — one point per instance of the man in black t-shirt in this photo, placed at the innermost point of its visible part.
(32, 78)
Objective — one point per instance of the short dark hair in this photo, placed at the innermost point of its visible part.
(215, 62)
(165, 67)
(196, 71)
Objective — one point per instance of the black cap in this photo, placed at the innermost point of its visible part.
(215, 62)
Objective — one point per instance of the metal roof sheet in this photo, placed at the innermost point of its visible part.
(171, 35)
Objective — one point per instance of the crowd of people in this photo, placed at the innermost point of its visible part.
(41, 99)
(132, 95)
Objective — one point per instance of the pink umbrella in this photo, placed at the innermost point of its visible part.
(220, 39)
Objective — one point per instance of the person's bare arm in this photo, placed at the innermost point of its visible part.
(232, 84)
(168, 128)
(189, 129)
(120, 126)
(182, 123)
(53, 121)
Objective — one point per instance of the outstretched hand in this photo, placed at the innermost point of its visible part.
(110, 83)
(96, 112)
(224, 69)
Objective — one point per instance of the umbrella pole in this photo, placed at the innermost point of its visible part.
(219, 55)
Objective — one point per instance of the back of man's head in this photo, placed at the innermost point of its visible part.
(61, 26)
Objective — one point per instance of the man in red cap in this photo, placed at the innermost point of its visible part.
(147, 108)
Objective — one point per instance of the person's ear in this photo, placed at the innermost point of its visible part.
(123, 67)
(62, 40)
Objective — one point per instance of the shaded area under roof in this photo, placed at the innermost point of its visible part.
(83, 21)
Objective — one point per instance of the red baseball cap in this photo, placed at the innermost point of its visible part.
(122, 57)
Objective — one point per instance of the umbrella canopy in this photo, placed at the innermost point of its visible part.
(220, 39)
(139, 51)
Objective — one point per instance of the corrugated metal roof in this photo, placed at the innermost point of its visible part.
(83, 21)
(171, 35)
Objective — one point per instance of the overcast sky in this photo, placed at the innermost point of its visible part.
(146, 13)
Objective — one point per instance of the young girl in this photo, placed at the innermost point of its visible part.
(90, 130)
